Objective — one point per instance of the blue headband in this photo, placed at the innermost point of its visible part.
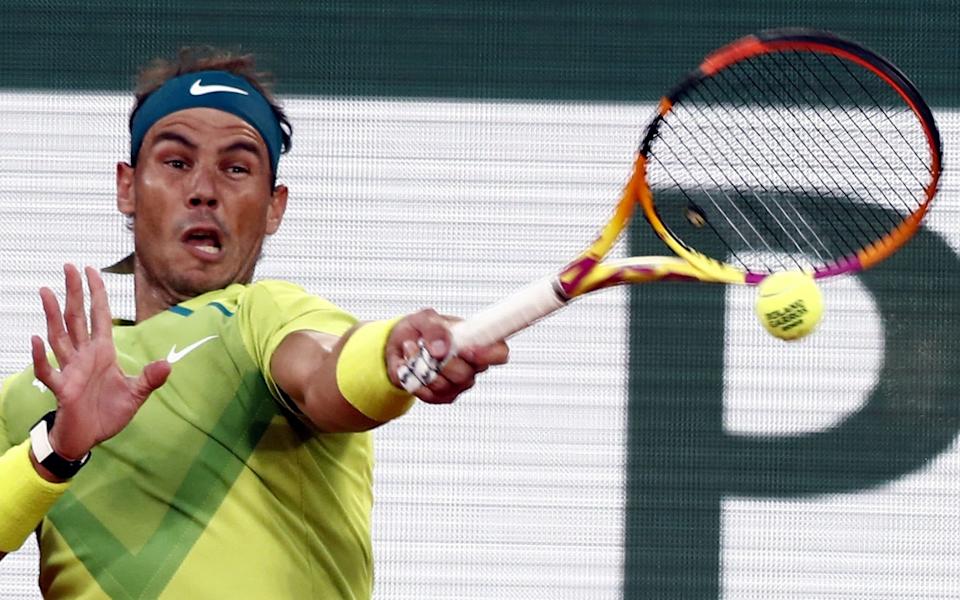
(209, 89)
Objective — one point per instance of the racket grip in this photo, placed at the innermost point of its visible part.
(517, 311)
(497, 322)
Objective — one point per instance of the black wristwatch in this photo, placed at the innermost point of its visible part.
(46, 456)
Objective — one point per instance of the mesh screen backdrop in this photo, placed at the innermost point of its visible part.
(644, 443)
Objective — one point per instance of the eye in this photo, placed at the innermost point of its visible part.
(176, 163)
(237, 170)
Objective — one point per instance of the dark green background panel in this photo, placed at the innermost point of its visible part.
(601, 50)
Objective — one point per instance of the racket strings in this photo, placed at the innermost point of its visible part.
(794, 158)
(865, 114)
(858, 148)
(894, 152)
(757, 183)
(905, 111)
(751, 155)
(827, 163)
(722, 191)
(779, 169)
(709, 195)
(756, 152)
(760, 158)
(709, 223)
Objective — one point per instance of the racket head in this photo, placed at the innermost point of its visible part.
(788, 150)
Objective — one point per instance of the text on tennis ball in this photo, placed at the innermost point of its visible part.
(788, 317)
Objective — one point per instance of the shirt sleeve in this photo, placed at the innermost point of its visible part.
(271, 310)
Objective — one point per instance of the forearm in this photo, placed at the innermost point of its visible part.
(319, 396)
(343, 388)
(352, 383)
(361, 373)
(25, 499)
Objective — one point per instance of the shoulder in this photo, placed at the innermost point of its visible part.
(267, 294)
(282, 302)
(273, 288)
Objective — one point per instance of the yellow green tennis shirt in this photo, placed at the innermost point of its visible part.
(215, 489)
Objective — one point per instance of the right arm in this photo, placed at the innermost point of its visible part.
(306, 366)
(95, 401)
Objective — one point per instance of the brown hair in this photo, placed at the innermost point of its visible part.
(207, 58)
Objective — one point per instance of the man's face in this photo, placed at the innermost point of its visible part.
(201, 201)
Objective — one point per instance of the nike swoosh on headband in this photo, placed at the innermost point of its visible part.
(198, 89)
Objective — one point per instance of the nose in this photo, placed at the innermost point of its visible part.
(203, 189)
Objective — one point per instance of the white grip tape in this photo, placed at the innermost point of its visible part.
(496, 322)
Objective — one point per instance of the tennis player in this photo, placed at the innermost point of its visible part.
(219, 446)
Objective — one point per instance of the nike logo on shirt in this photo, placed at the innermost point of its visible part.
(174, 355)
(198, 89)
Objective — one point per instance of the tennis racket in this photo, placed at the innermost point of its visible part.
(790, 149)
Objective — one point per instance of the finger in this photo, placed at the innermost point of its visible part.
(418, 369)
(402, 376)
(408, 366)
(411, 350)
(60, 342)
(401, 338)
(440, 385)
(395, 354)
(101, 321)
(436, 339)
(446, 382)
(482, 357)
(435, 393)
(42, 369)
(73, 313)
(445, 391)
(152, 377)
(433, 329)
(459, 372)
(405, 329)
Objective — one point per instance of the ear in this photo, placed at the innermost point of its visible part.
(126, 197)
(278, 205)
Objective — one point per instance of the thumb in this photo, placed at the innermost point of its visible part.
(153, 376)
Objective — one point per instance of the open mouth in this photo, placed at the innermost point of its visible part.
(203, 239)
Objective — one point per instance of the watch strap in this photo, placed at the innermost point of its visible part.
(45, 454)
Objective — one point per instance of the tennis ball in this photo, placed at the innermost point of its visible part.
(789, 304)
